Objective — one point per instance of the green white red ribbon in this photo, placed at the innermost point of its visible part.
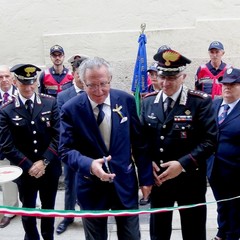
(86, 213)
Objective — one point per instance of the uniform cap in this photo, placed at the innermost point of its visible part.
(216, 45)
(153, 67)
(25, 73)
(231, 75)
(170, 62)
(56, 48)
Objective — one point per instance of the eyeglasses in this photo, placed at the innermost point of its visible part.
(168, 78)
(96, 86)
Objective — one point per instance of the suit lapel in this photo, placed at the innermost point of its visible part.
(216, 107)
(116, 119)
(157, 108)
(22, 111)
(37, 109)
(232, 115)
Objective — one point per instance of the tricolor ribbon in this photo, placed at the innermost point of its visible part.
(86, 213)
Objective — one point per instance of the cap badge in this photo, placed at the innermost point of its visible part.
(170, 56)
(229, 71)
(56, 48)
(29, 70)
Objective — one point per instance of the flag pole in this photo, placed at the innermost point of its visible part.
(139, 83)
(143, 27)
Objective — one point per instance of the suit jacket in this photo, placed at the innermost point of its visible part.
(226, 160)
(81, 143)
(14, 93)
(65, 95)
(25, 139)
(188, 134)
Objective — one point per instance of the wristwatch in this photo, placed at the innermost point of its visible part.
(45, 162)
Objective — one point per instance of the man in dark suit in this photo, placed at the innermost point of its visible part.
(181, 133)
(69, 173)
(29, 134)
(9, 189)
(224, 165)
(99, 133)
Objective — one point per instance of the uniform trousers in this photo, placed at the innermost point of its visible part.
(223, 183)
(46, 186)
(70, 189)
(182, 190)
(9, 191)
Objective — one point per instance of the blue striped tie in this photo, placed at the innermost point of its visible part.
(223, 115)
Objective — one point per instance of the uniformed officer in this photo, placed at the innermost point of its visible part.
(57, 78)
(29, 134)
(181, 132)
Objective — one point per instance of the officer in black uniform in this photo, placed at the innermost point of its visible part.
(181, 132)
(29, 135)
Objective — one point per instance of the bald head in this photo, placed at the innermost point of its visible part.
(6, 78)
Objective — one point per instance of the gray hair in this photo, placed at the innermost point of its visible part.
(92, 63)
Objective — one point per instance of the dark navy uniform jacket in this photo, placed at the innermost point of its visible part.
(188, 134)
(228, 148)
(25, 139)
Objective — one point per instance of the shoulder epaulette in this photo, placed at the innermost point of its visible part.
(151, 94)
(198, 93)
(8, 102)
(45, 95)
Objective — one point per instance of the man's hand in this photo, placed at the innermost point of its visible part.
(97, 170)
(146, 190)
(173, 169)
(37, 169)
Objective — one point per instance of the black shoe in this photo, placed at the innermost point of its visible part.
(63, 225)
(5, 221)
(143, 201)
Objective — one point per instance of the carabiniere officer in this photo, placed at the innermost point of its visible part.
(29, 135)
(181, 133)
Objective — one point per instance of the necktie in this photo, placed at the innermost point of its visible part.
(5, 97)
(223, 115)
(103, 126)
(101, 114)
(169, 107)
(28, 105)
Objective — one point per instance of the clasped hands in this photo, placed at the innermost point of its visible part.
(37, 169)
(171, 170)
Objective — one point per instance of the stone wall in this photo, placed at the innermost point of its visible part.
(110, 29)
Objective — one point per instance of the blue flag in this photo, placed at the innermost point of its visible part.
(139, 82)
